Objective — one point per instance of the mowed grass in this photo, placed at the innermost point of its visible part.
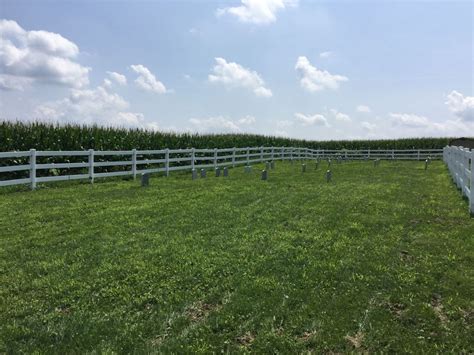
(378, 260)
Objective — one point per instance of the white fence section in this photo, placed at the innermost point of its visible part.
(460, 162)
(92, 163)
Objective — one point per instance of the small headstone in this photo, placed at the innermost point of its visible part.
(303, 168)
(317, 164)
(194, 174)
(226, 172)
(291, 160)
(264, 175)
(248, 169)
(426, 164)
(328, 175)
(375, 163)
(203, 173)
(272, 165)
(218, 172)
(329, 163)
(145, 179)
(267, 165)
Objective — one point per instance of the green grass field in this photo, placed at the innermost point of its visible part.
(379, 260)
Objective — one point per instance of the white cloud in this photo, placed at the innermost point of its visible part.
(325, 55)
(311, 120)
(38, 56)
(234, 75)
(340, 116)
(92, 106)
(363, 108)
(117, 77)
(313, 79)
(409, 120)
(368, 126)
(147, 81)
(462, 106)
(220, 124)
(259, 12)
(284, 124)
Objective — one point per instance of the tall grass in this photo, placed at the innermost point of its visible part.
(18, 136)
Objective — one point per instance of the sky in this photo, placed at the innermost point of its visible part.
(307, 69)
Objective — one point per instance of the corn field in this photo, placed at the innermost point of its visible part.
(18, 136)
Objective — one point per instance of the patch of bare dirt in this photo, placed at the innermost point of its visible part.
(356, 340)
(200, 310)
(246, 340)
(439, 309)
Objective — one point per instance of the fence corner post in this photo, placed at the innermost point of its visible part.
(471, 198)
(193, 158)
(134, 164)
(33, 168)
(215, 158)
(233, 157)
(91, 166)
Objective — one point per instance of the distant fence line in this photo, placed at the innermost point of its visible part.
(460, 162)
(95, 164)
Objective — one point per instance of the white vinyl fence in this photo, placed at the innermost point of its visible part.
(460, 162)
(45, 166)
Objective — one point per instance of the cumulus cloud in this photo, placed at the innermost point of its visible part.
(234, 75)
(409, 120)
(363, 109)
(93, 106)
(259, 12)
(313, 79)
(339, 116)
(147, 81)
(38, 56)
(311, 120)
(462, 106)
(368, 126)
(118, 78)
(221, 124)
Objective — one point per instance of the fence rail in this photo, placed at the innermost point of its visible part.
(460, 162)
(92, 164)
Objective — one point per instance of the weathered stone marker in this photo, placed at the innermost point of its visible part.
(328, 176)
(226, 172)
(145, 179)
(375, 163)
(264, 175)
(267, 165)
(194, 174)
(329, 163)
(426, 164)
(248, 169)
(218, 172)
(303, 168)
(317, 164)
(203, 173)
(272, 165)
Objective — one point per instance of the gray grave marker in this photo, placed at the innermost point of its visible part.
(328, 175)
(194, 174)
(145, 180)
(264, 175)
(203, 173)
(218, 171)
(226, 172)
(303, 168)
(272, 165)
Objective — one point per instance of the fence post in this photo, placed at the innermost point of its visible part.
(471, 198)
(33, 168)
(215, 158)
(261, 154)
(91, 166)
(167, 162)
(193, 158)
(273, 152)
(134, 164)
(248, 156)
(393, 154)
(418, 154)
(233, 157)
(368, 153)
(282, 153)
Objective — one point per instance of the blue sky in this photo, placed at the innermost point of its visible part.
(305, 69)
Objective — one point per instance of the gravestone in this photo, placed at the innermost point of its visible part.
(145, 180)
(264, 175)
(203, 173)
(272, 165)
(303, 168)
(194, 174)
(226, 172)
(267, 165)
(328, 176)
(218, 172)
(248, 169)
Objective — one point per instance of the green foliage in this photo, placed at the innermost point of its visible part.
(43, 136)
(377, 261)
